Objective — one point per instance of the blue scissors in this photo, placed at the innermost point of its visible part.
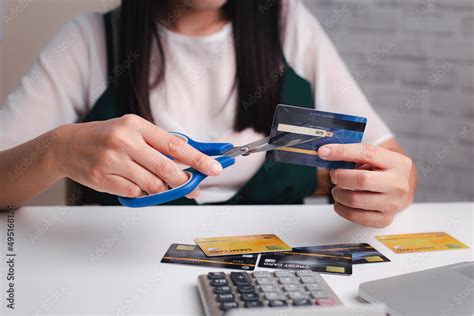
(227, 153)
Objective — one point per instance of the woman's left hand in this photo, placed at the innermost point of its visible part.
(373, 192)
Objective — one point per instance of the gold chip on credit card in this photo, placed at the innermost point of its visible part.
(238, 245)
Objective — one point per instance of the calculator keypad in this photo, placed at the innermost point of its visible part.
(267, 289)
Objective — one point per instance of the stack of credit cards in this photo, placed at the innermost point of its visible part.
(318, 128)
(235, 252)
(334, 259)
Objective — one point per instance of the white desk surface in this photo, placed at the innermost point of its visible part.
(107, 259)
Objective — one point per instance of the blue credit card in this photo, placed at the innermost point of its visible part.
(361, 253)
(317, 128)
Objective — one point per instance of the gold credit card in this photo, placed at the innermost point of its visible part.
(238, 245)
(421, 242)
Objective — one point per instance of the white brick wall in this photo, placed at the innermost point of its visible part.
(423, 86)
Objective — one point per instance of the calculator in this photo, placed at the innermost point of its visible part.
(221, 291)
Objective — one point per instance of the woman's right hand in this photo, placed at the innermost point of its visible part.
(126, 157)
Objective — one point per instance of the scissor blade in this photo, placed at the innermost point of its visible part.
(242, 150)
(262, 145)
(289, 143)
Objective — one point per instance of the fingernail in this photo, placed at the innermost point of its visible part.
(216, 168)
(324, 151)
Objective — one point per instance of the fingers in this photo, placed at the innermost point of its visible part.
(364, 166)
(362, 199)
(120, 186)
(166, 143)
(194, 194)
(159, 165)
(359, 153)
(151, 183)
(364, 217)
(362, 180)
(177, 148)
(147, 181)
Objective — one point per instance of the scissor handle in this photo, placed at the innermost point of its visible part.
(210, 149)
(195, 179)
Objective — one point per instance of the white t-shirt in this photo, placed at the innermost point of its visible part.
(197, 96)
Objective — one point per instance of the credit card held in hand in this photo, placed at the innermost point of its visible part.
(238, 245)
(320, 128)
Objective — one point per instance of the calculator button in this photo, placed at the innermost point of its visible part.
(216, 275)
(265, 280)
(269, 288)
(228, 305)
(301, 302)
(219, 282)
(225, 297)
(302, 273)
(249, 296)
(319, 294)
(284, 273)
(325, 302)
(274, 296)
(245, 289)
(292, 287)
(288, 280)
(277, 303)
(240, 278)
(296, 295)
(252, 304)
(313, 286)
(222, 289)
(309, 279)
(261, 274)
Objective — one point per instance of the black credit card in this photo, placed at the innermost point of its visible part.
(193, 255)
(302, 259)
(361, 253)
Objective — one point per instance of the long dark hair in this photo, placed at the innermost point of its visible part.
(257, 26)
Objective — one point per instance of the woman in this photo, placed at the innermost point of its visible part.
(213, 69)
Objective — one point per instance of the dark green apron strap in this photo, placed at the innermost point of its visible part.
(110, 39)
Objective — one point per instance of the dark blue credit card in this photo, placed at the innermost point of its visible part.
(361, 253)
(317, 128)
